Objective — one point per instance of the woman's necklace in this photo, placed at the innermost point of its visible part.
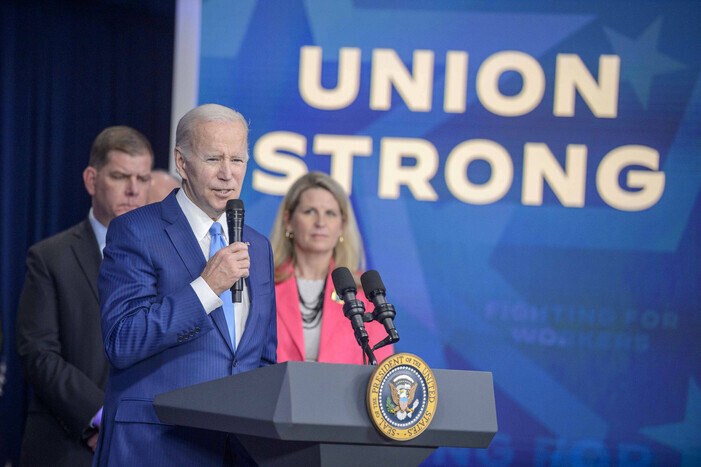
(311, 318)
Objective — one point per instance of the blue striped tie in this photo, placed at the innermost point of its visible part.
(217, 244)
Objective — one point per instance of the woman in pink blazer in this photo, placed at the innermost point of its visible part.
(314, 232)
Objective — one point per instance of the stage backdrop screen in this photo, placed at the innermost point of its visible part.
(526, 180)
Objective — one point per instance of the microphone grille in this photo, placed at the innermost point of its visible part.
(343, 281)
(234, 205)
(372, 284)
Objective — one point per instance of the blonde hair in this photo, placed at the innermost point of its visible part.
(349, 253)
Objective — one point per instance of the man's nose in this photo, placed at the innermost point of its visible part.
(133, 186)
(226, 170)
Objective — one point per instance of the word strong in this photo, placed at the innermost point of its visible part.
(282, 152)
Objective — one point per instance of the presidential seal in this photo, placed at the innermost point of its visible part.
(402, 397)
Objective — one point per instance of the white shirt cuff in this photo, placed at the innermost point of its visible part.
(209, 300)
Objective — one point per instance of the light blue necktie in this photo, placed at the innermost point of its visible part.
(217, 244)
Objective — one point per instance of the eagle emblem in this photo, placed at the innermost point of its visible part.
(402, 403)
(402, 397)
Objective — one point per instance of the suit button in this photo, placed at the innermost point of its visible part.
(197, 329)
(180, 339)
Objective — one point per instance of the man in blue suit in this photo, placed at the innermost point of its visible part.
(164, 324)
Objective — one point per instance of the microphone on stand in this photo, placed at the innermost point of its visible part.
(234, 220)
(353, 308)
(384, 312)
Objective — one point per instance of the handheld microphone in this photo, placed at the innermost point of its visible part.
(353, 308)
(384, 312)
(234, 220)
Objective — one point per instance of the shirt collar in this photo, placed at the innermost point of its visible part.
(198, 219)
(99, 230)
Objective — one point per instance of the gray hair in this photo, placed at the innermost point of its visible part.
(202, 114)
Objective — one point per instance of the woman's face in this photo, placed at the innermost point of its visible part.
(316, 223)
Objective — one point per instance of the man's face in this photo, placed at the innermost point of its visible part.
(120, 186)
(213, 173)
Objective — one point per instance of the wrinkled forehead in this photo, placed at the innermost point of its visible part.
(128, 162)
(219, 134)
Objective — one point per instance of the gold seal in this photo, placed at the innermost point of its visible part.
(402, 396)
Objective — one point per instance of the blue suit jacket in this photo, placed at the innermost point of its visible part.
(158, 337)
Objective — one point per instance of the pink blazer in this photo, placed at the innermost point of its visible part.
(337, 343)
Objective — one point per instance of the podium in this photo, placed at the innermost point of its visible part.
(303, 413)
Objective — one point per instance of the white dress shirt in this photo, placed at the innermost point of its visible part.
(99, 230)
(200, 223)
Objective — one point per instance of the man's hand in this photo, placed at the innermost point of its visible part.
(226, 267)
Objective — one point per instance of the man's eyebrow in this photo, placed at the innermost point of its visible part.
(127, 173)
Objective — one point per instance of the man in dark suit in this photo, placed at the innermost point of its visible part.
(167, 319)
(59, 340)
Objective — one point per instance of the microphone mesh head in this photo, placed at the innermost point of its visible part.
(372, 284)
(343, 281)
(234, 205)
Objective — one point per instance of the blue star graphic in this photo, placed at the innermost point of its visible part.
(684, 436)
(640, 60)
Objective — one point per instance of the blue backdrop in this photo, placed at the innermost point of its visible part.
(526, 178)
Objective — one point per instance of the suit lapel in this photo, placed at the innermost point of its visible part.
(292, 318)
(185, 243)
(187, 247)
(253, 316)
(87, 253)
(290, 315)
(220, 321)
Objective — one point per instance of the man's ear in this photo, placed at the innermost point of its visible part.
(89, 177)
(180, 163)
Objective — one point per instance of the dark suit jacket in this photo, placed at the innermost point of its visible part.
(159, 338)
(60, 347)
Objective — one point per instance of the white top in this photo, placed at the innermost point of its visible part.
(309, 290)
(200, 223)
